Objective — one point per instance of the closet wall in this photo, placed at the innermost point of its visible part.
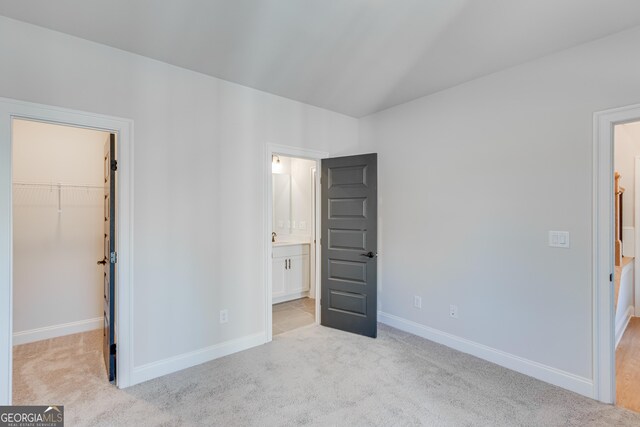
(57, 231)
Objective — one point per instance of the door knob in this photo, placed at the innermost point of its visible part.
(103, 262)
(368, 254)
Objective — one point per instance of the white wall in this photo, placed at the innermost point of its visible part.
(56, 278)
(471, 180)
(199, 170)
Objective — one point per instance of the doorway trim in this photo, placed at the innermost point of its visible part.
(636, 236)
(10, 109)
(303, 153)
(314, 192)
(604, 386)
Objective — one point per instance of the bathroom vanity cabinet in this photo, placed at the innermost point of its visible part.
(290, 271)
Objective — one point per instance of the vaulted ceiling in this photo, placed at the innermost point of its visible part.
(351, 56)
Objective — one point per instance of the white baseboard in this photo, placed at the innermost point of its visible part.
(567, 380)
(54, 331)
(290, 297)
(186, 360)
(620, 328)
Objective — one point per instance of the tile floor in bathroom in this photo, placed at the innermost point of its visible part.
(293, 314)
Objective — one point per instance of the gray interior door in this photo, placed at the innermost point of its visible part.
(349, 244)
(110, 257)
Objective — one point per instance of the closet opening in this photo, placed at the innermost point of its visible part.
(64, 225)
(293, 242)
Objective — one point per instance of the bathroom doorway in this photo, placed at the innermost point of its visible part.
(292, 221)
(293, 239)
(64, 226)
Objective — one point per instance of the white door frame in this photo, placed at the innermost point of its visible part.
(275, 149)
(10, 109)
(636, 237)
(314, 192)
(604, 387)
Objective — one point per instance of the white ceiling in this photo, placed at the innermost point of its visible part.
(351, 56)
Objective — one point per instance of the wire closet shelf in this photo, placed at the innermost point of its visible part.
(39, 193)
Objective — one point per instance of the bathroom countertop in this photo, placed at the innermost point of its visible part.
(289, 243)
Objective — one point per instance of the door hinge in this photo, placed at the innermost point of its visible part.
(112, 349)
(114, 257)
(611, 277)
(114, 165)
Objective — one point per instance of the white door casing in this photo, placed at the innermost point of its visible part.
(275, 149)
(602, 268)
(10, 109)
(636, 230)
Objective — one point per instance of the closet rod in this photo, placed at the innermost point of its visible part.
(54, 186)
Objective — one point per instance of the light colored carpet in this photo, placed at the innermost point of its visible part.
(309, 376)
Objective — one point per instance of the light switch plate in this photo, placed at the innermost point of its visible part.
(559, 239)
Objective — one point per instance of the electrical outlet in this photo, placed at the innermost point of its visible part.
(224, 316)
(417, 302)
(453, 311)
